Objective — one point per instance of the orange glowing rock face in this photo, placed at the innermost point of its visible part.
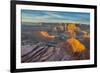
(77, 46)
(71, 27)
(46, 35)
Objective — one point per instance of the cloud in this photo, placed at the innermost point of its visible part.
(51, 16)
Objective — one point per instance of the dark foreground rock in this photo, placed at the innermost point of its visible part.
(42, 52)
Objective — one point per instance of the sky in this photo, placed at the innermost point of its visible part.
(36, 16)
